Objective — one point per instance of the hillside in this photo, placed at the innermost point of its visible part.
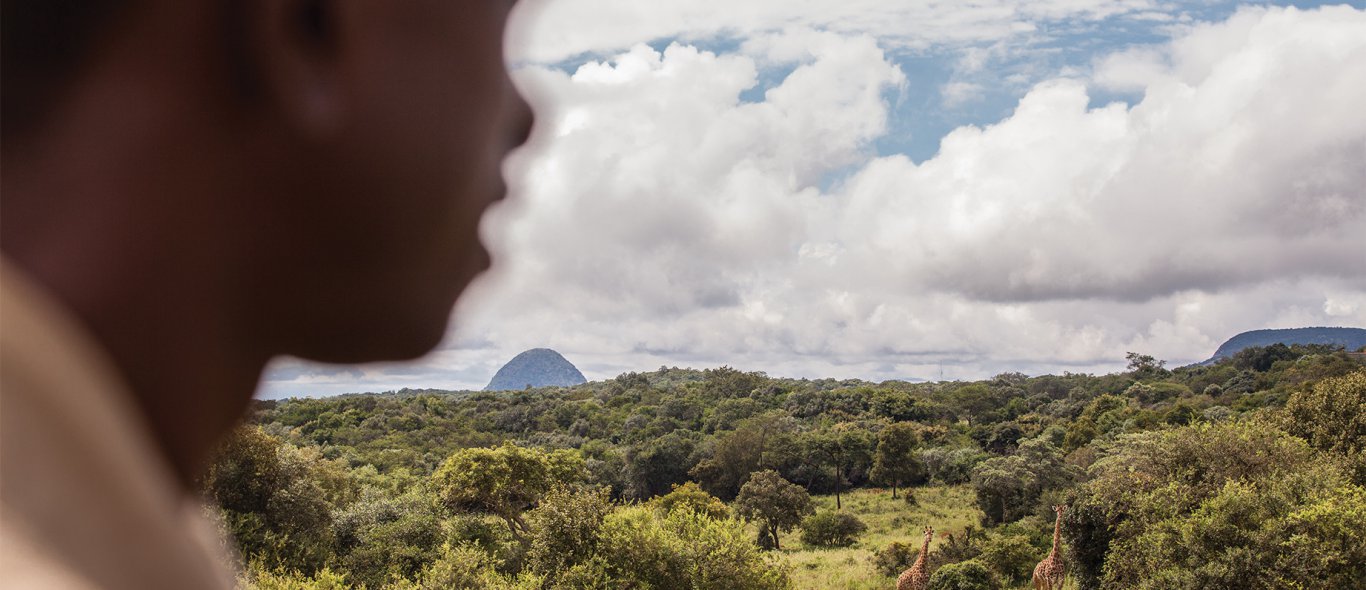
(1348, 338)
(538, 367)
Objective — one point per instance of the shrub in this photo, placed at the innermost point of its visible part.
(1326, 541)
(257, 578)
(1160, 391)
(692, 497)
(909, 498)
(382, 538)
(473, 529)
(894, 558)
(564, 529)
(1332, 417)
(684, 551)
(1213, 506)
(464, 567)
(832, 529)
(1010, 557)
(964, 575)
(956, 548)
(1216, 414)
(589, 575)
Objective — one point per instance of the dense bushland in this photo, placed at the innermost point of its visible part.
(1244, 473)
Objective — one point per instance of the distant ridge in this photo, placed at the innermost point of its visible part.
(1349, 338)
(538, 367)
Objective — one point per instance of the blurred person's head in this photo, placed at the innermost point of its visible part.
(238, 179)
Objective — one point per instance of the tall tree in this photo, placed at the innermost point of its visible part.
(894, 462)
(725, 382)
(505, 481)
(845, 448)
(737, 454)
(1145, 366)
(1010, 487)
(654, 467)
(777, 504)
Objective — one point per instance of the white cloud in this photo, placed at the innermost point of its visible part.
(958, 93)
(554, 30)
(1131, 70)
(1245, 162)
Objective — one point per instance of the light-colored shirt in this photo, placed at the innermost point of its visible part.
(86, 498)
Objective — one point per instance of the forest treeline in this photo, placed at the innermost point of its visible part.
(1247, 473)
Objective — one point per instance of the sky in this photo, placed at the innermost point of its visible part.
(888, 189)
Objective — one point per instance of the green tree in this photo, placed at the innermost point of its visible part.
(1145, 366)
(845, 448)
(1000, 438)
(978, 403)
(655, 466)
(1009, 488)
(1157, 391)
(246, 472)
(504, 481)
(277, 499)
(777, 504)
(725, 382)
(727, 414)
(950, 465)
(895, 461)
(902, 406)
(734, 455)
(1262, 358)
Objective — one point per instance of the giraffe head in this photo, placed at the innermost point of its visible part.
(929, 532)
(1060, 509)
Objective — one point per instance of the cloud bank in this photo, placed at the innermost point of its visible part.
(674, 208)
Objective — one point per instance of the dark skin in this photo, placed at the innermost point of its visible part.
(309, 183)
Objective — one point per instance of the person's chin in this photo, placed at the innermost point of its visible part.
(407, 339)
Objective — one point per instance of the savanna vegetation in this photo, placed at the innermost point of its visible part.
(1247, 473)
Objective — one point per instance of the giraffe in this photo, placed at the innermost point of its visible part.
(1048, 575)
(918, 576)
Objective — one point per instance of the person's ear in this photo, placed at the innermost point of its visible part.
(298, 46)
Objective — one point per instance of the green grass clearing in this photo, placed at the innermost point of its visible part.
(949, 509)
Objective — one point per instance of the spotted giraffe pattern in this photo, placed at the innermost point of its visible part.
(1050, 572)
(918, 576)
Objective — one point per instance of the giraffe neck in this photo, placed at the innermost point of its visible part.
(1057, 534)
(924, 550)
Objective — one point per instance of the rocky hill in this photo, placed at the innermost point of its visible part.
(538, 367)
(1349, 338)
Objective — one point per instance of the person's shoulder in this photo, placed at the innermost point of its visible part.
(25, 565)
